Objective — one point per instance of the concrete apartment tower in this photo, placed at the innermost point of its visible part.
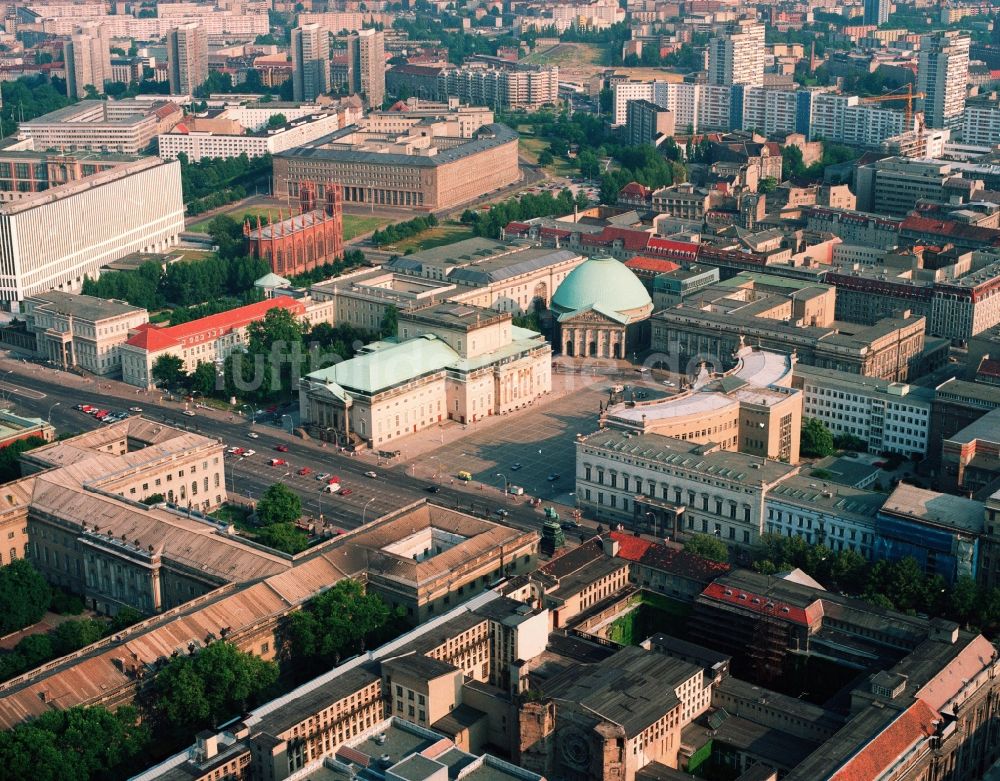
(736, 55)
(88, 59)
(310, 62)
(187, 58)
(366, 52)
(876, 11)
(943, 76)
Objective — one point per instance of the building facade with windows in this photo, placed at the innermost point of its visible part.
(891, 417)
(413, 170)
(81, 331)
(679, 487)
(448, 362)
(58, 237)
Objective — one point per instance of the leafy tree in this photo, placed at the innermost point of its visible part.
(816, 441)
(707, 546)
(203, 378)
(204, 689)
(10, 457)
(284, 537)
(75, 745)
(124, 618)
(24, 596)
(389, 324)
(558, 147)
(792, 166)
(767, 185)
(72, 635)
(168, 370)
(545, 158)
(279, 504)
(276, 121)
(35, 650)
(336, 624)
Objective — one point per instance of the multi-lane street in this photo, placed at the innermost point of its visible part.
(42, 391)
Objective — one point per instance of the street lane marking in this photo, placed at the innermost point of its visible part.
(27, 392)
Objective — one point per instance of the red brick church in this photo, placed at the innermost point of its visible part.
(300, 243)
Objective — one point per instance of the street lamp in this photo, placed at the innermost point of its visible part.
(289, 422)
(253, 413)
(365, 510)
(505, 483)
(48, 418)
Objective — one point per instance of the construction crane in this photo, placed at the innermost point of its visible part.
(908, 96)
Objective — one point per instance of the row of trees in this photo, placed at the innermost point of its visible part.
(216, 283)
(29, 97)
(10, 458)
(491, 222)
(184, 284)
(403, 230)
(213, 182)
(339, 623)
(793, 167)
(188, 694)
(279, 350)
(898, 585)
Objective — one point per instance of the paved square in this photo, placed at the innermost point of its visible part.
(541, 440)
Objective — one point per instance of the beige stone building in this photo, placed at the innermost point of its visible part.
(420, 168)
(751, 408)
(779, 314)
(81, 331)
(448, 362)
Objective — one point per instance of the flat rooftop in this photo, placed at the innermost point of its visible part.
(690, 455)
(82, 307)
(920, 504)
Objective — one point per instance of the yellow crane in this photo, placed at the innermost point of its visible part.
(909, 96)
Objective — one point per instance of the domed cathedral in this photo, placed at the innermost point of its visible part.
(602, 309)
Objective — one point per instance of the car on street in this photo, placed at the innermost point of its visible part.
(278, 462)
(552, 477)
(253, 435)
(281, 448)
(514, 467)
(101, 414)
(136, 410)
(501, 513)
(371, 474)
(305, 471)
(322, 476)
(433, 489)
(246, 453)
(345, 491)
(189, 412)
(569, 525)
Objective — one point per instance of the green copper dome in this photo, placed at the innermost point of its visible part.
(602, 283)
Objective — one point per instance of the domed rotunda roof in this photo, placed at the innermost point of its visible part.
(601, 283)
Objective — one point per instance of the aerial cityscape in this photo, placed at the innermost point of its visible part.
(500, 390)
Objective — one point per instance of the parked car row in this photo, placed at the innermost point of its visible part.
(106, 415)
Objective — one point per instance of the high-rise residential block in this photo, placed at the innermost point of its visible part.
(736, 55)
(877, 11)
(187, 58)
(88, 59)
(943, 76)
(310, 61)
(366, 64)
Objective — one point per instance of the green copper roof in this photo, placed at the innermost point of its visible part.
(389, 365)
(601, 283)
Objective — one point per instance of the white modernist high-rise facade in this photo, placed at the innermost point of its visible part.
(310, 61)
(943, 76)
(53, 239)
(736, 55)
(88, 59)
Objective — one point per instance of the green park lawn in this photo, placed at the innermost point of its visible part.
(239, 214)
(358, 224)
(441, 234)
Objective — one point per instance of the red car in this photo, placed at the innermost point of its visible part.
(102, 414)
(346, 492)
(305, 471)
(332, 480)
(281, 448)
(278, 462)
